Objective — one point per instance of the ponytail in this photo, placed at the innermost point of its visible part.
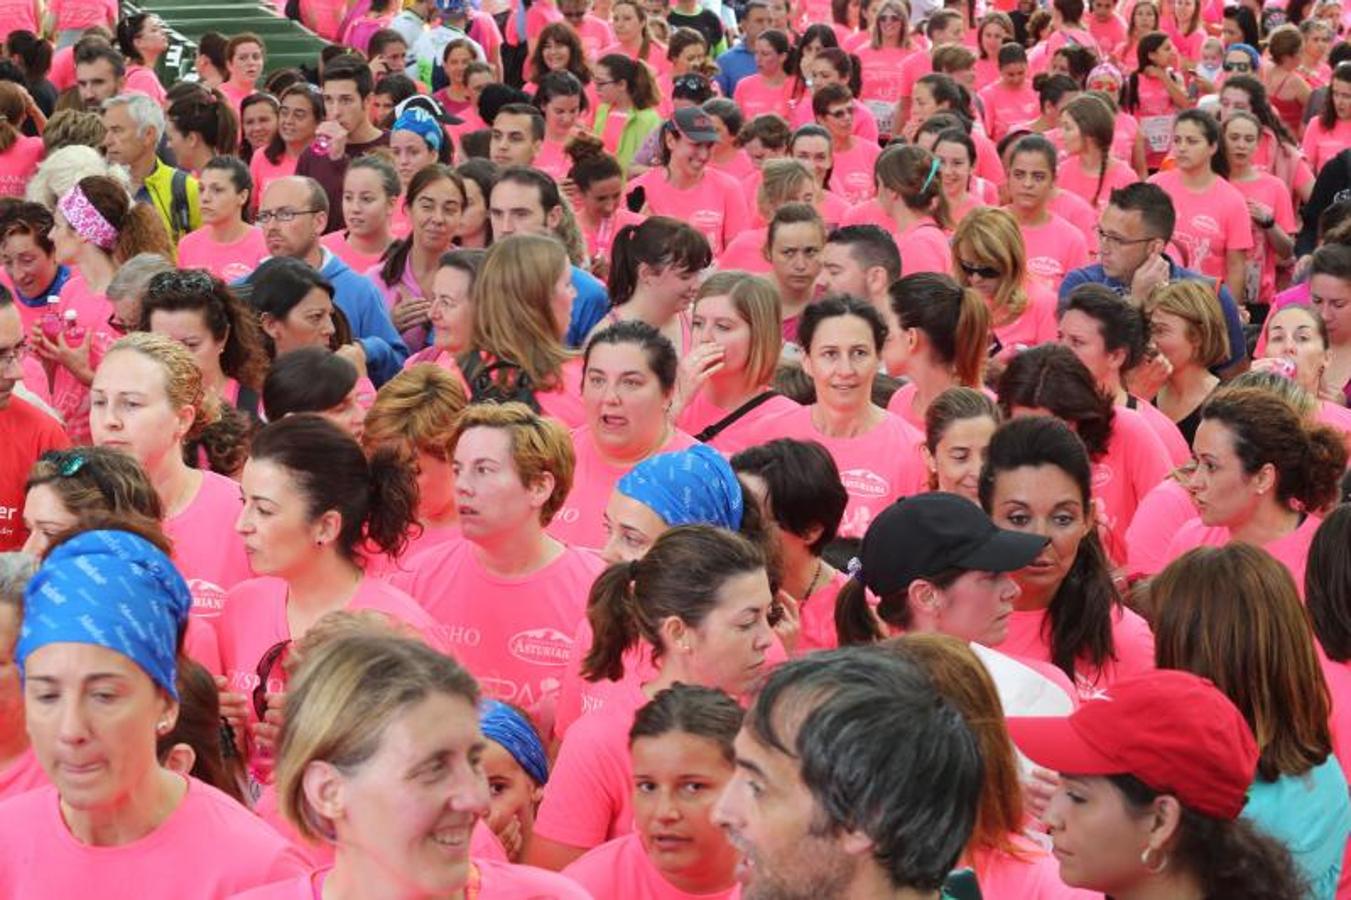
(12, 114)
(971, 339)
(623, 280)
(142, 231)
(392, 506)
(610, 611)
(855, 622)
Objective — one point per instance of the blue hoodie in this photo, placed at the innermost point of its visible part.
(365, 310)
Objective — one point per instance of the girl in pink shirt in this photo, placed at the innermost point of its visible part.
(301, 110)
(1214, 226)
(956, 153)
(1091, 171)
(768, 90)
(1155, 93)
(910, 194)
(782, 181)
(225, 245)
(628, 384)
(411, 710)
(989, 257)
(311, 500)
(1054, 247)
(994, 30)
(852, 158)
(831, 65)
(654, 274)
(599, 180)
(1297, 335)
(562, 101)
(701, 599)
(812, 146)
(244, 61)
(1011, 99)
(142, 39)
(1330, 132)
(1128, 457)
(634, 39)
(1068, 611)
(370, 191)
(19, 154)
(958, 425)
(889, 43)
(1269, 206)
(509, 596)
(878, 453)
(682, 758)
(148, 399)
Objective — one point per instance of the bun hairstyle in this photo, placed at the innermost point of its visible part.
(590, 162)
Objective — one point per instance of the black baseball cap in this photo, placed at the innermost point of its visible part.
(695, 124)
(927, 534)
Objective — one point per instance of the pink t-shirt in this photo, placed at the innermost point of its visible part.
(517, 657)
(701, 412)
(209, 848)
(596, 35)
(581, 521)
(1209, 223)
(1188, 45)
(18, 163)
(1322, 144)
(987, 73)
(380, 565)
(1075, 210)
(915, 67)
(924, 248)
(1134, 463)
(742, 168)
(589, 797)
(228, 262)
(882, 78)
(1032, 874)
(336, 241)
(1157, 518)
(1037, 323)
(622, 868)
(1260, 264)
(746, 252)
(1166, 430)
(235, 93)
(817, 614)
(1133, 646)
(70, 397)
(1155, 114)
(265, 172)
(494, 880)
(865, 123)
(1006, 106)
(877, 467)
(756, 96)
(22, 775)
(852, 174)
(62, 74)
(552, 161)
(578, 697)
(140, 80)
(870, 212)
(19, 15)
(1123, 138)
(1070, 176)
(1291, 550)
(207, 550)
(1110, 34)
(75, 15)
(1053, 249)
(715, 206)
(599, 241)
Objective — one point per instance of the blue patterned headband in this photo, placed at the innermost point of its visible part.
(694, 486)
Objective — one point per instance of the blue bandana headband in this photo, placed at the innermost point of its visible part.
(111, 589)
(506, 726)
(694, 486)
(420, 122)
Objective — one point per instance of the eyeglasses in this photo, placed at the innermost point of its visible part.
(264, 673)
(118, 325)
(973, 270)
(844, 112)
(281, 215)
(1106, 239)
(1238, 67)
(600, 84)
(13, 355)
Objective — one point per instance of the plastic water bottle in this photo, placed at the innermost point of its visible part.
(51, 319)
(74, 330)
(322, 144)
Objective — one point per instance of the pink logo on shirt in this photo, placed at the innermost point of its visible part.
(1206, 223)
(541, 646)
(864, 483)
(1102, 476)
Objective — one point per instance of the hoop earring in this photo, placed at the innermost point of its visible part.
(1151, 868)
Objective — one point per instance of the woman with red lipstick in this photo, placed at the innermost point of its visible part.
(681, 745)
(700, 599)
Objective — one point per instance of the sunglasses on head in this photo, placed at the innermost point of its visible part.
(977, 271)
(266, 664)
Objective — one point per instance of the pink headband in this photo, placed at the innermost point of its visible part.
(87, 221)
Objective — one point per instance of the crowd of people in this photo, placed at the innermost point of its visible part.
(604, 448)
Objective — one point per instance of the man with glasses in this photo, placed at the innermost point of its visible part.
(1133, 234)
(293, 214)
(26, 431)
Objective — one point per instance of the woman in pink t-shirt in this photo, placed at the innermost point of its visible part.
(198, 128)
(103, 618)
(1091, 171)
(627, 389)
(958, 426)
(312, 502)
(370, 192)
(451, 311)
(1068, 611)
(910, 193)
(1269, 496)
(654, 274)
(633, 37)
(434, 201)
(956, 153)
(682, 759)
(880, 58)
(19, 154)
(831, 65)
(793, 244)
(301, 110)
(943, 340)
(768, 89)
(852, 157)
(812, 146)
(782, 181)
(1010, 99)
(1330, 132)
(225, 245)
(994, 30)
(1296, 335)
(735, 324)
(1269, 206)
(412, 802)
(142, 39)
(1054, 247)
(1214, 226)
(244, 61)
(1155, 93)
(148, 400)
(989, 256)
(599, 202)
(701, 599)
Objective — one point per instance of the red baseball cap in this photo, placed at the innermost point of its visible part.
(1175, 731)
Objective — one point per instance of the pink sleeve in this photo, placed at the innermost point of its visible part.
(1134, 644)
(202, 646)
(1285, 210)
(580, 806)
(1238, 224)
(1157, 520)
(1148, 461)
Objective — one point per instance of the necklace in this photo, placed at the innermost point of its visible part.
(814, 583)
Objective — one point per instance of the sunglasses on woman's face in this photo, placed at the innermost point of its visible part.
(1237, 67)
(973, 270)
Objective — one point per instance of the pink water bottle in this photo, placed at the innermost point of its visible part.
(51, 319)
(1285, 367)
(322, 144)
(74, 330)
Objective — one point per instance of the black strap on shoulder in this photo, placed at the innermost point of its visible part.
(179, 212)
(731, 418)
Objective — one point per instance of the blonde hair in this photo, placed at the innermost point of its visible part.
(1195, 303)
(417, 411)
(756, 302)
(344, 697)
(183, 384)
(779, 179)
(62, 169)
(539, 446)
(875, 26)
(992, 236)
(513, 306)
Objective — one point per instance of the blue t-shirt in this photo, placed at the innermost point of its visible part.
(733, 66)
(1311, 815)
(588, 307)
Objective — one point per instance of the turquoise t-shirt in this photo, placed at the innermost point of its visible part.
(1311, 815)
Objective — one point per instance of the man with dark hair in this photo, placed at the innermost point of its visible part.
(517, 134)
(29, 257)
(100, 71)
(527, 201)
(347, 130)
(862, 261)
(854, 780)
(738, 62)
(1133, 233)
